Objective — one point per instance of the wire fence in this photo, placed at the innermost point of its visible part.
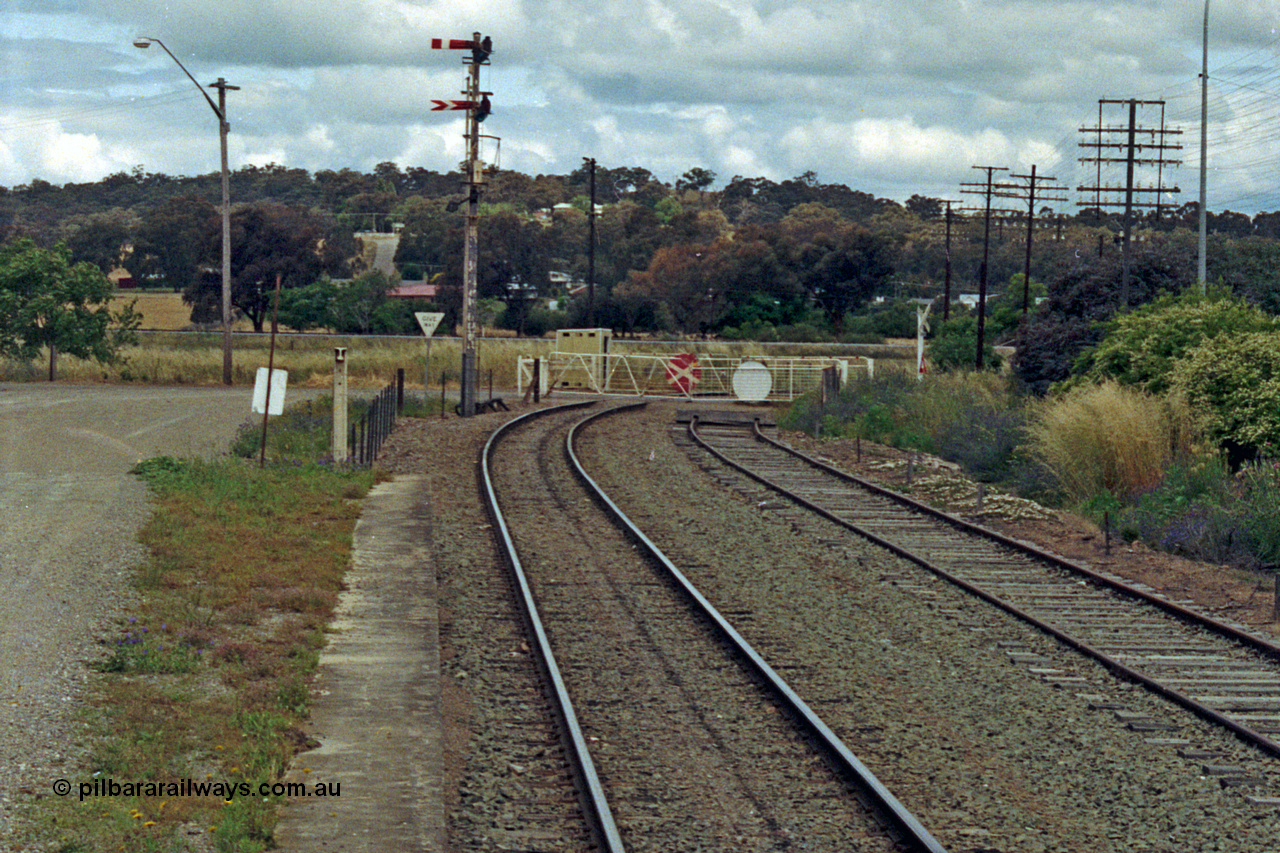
(685, 375)
(366, 435)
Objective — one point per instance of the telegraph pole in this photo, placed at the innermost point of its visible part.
(946, 294)
(989, 191)
(1201, 271)
(1130, 149)
(223, 128)
(591, 246)
(1032, 182)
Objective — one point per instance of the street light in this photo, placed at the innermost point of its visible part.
(220, 110)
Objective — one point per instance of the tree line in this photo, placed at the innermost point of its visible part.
(761, 259)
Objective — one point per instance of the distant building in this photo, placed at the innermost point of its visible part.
(414, 290)
(970, 300)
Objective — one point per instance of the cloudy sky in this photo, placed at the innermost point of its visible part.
(892, 97)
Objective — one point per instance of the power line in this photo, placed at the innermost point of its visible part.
(104, 109)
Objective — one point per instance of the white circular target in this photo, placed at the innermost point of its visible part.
(752, 382)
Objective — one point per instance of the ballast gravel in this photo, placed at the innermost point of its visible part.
(999, 739)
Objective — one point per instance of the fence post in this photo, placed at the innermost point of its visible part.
(399, 390)
(340, 438)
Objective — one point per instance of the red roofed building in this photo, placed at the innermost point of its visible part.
(414, 290)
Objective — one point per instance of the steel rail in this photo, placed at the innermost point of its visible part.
(1194, 617)
(1202, 710)
(591, 791)
(916, 836)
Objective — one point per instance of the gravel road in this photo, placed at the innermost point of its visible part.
(71, 513)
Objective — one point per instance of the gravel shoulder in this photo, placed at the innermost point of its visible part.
(67, 548)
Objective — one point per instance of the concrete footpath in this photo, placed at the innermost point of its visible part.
(376, 699)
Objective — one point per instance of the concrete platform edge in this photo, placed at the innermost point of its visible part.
(376, 697)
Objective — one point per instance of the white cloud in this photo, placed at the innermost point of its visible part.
(52, 153)
(887, 97)
(896, 147)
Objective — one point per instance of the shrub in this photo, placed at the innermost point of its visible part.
(955, 345)
(895, 319)
(984, 441)
(1233, 381)
(1106, 437)
(1089, 291)
(966, 418)
(1259, 510)
(1203, 512)
(1141, 348)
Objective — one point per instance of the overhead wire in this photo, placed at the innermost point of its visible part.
(116, 106)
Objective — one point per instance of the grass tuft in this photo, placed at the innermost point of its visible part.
(1108, 438)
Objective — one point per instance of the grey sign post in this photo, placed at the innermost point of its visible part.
(428, 320)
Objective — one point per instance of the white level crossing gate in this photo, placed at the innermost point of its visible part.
(687, 375)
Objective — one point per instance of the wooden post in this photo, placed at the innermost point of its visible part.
(271, 364)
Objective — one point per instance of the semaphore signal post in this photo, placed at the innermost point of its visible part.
(477, 105)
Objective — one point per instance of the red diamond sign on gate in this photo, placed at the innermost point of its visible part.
(683, 372)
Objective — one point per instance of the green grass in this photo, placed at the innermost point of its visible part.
(207, 677)
(305, 431)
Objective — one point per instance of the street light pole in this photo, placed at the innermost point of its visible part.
(223, 129)
(220, 110)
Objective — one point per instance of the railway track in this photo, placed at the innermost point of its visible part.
(1219, 671)
(686, 737)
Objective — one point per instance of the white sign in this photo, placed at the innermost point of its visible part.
(279, 379)
(752, 382)
(428, 320)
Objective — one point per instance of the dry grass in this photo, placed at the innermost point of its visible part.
(1110, 438)
(162, 311)
(196, 359)
(189, 358)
